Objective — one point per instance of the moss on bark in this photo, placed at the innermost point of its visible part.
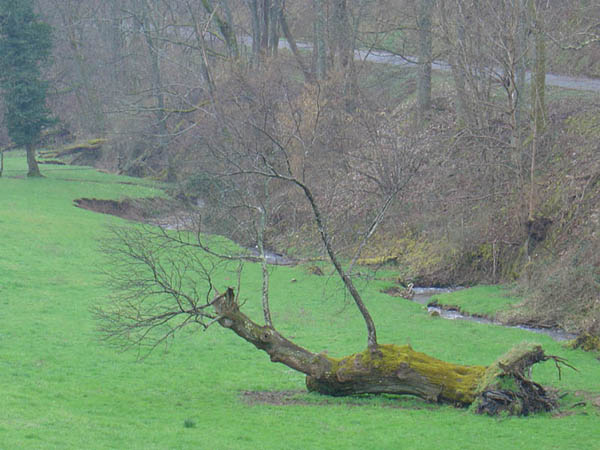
(396, 369)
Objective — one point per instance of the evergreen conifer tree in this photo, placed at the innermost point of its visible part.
(25, 46)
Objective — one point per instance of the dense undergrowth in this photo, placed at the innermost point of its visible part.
(452, 228)
(62, 388)
(561, 281)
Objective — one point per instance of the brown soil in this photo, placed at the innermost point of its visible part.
(286, 398)
(138, 210)
(591, 397)
(273, 397)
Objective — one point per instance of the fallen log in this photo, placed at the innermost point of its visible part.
(80, 152)
(503, 386)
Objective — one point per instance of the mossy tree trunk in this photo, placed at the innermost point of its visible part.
(392, 369)
(538, 102)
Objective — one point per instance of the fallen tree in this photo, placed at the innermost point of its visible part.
(391, 369)
(164, 279)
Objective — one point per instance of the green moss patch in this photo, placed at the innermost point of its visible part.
(586, 341)
(457, 383)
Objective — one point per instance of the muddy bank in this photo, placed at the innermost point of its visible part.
(167, 214)
(299, 397)
(139, 210)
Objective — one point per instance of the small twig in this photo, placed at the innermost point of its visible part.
(557, 362)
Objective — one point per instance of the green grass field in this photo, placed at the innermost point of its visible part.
(61, 388)
(479, 300)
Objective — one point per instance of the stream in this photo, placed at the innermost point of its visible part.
(423, 296)
(131, 211)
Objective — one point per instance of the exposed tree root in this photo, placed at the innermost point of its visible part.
(506, 387)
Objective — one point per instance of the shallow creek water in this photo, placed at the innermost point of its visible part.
(423, 296)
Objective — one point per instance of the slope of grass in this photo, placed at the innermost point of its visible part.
(480, 300)
(60, 387)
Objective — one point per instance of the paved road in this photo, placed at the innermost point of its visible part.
(563, 81)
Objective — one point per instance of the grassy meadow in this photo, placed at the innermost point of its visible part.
(484, 300)
(61, 387)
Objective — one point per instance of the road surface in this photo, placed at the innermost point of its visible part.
(562, 81)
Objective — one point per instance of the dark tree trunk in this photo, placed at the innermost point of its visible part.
(148, 25)
(455, 30)
(342, 45)
(425, 57)
(274, 16)
(265, 17)
(319, 46)
(253, 5)
(538, 82)
(285, 29)
(265, 29)
(34, 170)
(225, 28)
